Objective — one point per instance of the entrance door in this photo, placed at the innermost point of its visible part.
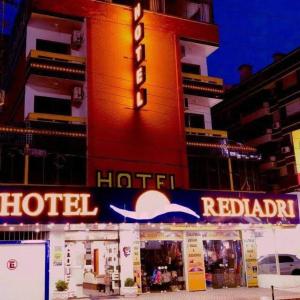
(162, 266)
(92, 268)
(223, 263)
(24, 271)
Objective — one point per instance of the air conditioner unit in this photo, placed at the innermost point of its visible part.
(186, 103)
(2, 97)
(77, 96)
(276, 125)
(76, 40)
(182, 48)
(285, 149)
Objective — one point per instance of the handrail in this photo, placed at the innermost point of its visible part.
(208, 132)
(204, 79)
(56, 56)
(54, 117)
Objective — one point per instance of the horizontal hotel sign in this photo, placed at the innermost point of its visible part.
(62, 205)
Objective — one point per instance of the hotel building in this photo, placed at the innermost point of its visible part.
(110, 167)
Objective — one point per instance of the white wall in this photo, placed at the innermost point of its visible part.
(57, 239)
(129, 234)
(34, 33)
(200, 105)
(31, 91)
(27, 280)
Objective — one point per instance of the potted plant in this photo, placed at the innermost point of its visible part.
(61, 290)
(130, 288)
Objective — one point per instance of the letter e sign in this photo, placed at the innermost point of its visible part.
(12, 264)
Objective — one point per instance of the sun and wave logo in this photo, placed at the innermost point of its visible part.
(152, 204)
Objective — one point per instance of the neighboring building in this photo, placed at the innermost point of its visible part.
(263, 111)
(106, 141)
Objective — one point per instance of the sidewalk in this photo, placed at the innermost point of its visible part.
(225, 294)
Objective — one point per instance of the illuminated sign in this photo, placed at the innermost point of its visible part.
(36, 204)
(152, 204)
(244, 207)
(140, 97)
(136, 180)
(61, 205)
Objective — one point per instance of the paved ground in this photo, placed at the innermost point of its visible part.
(225, 294)
(217, 294)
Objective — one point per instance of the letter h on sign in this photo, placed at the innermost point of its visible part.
(139, 56)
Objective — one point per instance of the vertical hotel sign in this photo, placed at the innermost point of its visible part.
(140, 93)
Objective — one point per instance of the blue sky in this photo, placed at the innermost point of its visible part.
(250, 32)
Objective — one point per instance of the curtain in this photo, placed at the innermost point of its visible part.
(157, 5)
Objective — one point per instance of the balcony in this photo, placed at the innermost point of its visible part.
(206, 132)
(262, 139)
(267, 166)
(215, 143)
(200, 85)
(259, 113)
(55, 65)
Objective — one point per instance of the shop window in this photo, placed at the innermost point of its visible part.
(190, 68)
(223, 263)
(162, 266)
(55, 47)
(51, 105)
(194, 120)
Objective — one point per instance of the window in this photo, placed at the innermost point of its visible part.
(293, 107)
(289, 81)
(194, 120)
(191, 68)
(285, 259)
(199, 10)
(52, 105)
(269, 260)
(55, 47)
(290, 169)
(123, 2)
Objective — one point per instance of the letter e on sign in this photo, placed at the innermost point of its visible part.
(12, 264)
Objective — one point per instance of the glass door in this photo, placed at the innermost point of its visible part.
(223, 263)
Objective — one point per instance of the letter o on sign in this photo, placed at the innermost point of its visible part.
(12, 264)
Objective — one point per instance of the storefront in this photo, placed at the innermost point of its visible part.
(178, 240)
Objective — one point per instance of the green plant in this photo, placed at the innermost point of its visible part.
(61, 285)
(129, 282)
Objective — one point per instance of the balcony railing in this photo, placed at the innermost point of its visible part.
(268, 165)
(206, 132)
(55, 118)
(58, 65)
(259, 113)
(263, 139)
(201, 85)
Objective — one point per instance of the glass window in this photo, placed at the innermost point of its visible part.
(191, 68)
(194, 120)
(55, 47)
(52, 105)
(285, 259)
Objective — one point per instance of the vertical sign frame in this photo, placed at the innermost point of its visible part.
(139, 54)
